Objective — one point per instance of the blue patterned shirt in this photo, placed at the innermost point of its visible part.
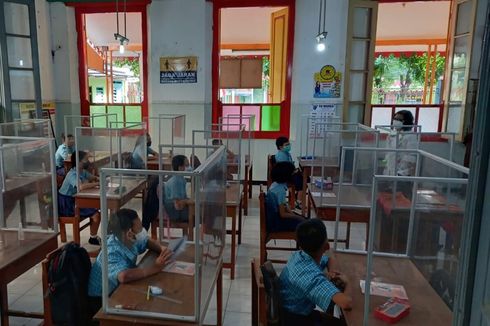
(120, 258)
(283, 156)
(280, 190)
(69, 186)
(62, 152)
(304, 285)
(175, 188)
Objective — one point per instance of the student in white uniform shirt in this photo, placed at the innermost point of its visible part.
(402, 164)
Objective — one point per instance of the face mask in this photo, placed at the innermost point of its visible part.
(397, 123)
(141, 236)
(148, 144)
(85, 165)
(287, 148)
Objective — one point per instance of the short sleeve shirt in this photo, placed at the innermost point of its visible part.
(69, 186)
(283, 156)
(120, 258)
(175, 188)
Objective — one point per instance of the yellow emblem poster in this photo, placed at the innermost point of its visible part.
(328, 82)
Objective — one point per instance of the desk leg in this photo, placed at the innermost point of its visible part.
(23, 214)
(240, 220)
(250, 181)
(219, 298)
(303, 193)
(233, 245)
(4, 305)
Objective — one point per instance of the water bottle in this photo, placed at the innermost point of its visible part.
(20, 234)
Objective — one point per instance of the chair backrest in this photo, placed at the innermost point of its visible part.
(271, 161)
(272, 286)
(263, 216)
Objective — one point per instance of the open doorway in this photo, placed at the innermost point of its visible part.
(252, 58)
(113, 78)
(410, 61)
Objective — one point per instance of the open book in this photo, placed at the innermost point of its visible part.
(385, 290)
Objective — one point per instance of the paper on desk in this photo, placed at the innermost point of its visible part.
(181, 267)
(323, 194)
(113, 185)
(385, 290)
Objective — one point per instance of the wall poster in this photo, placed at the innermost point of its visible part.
(328, 82)
(178, 70)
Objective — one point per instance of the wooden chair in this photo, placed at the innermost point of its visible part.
(271, 161)
(265, 236)
(48, 320)
(259, 316)
(77, 226)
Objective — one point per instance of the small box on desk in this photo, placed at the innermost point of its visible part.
(325, 184)
(392, 310)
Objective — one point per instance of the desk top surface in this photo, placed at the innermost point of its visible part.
(351, 196)
(117, 189)
(427, 308)
(13, 249)
(18, 182)
(175, 286)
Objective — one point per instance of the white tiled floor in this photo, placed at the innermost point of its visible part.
(25, 293)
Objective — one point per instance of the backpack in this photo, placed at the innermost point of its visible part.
(272, 288)
(68, 275)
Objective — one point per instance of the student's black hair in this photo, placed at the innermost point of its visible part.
(217, 142)
(282, 172)
(81, 156)
(121, 221)
(178, 161)
(311, 235)
(281, 141)
(69, 136)
(408, 119)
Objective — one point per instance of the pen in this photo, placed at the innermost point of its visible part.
(148, 294)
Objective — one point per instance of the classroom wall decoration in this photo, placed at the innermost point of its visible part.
(178, 70)
(327, 82)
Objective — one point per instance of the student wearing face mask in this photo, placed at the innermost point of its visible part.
(402, 164)
(127, 239)
(283, 155)
(66, 200)
(176, 201)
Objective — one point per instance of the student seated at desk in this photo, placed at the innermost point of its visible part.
(63, 152)
(279, 216)
(126, 240)
(176, 202)
(305, 283)
(66, 199)
(149, 151)
(283, 155)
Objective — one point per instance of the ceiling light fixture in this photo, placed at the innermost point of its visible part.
(321, 37)
(123, 40)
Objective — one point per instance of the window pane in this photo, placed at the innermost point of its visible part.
(362, 22)
(456, 92)
(359, 55)
(118, 110)
(98, 122)
(464, 17)
(22, 85)
(16, 18)
(254, 121)
(355, 113)
(429, 119)
(133, 114)
(357, 87)
(19, 52)
(460, 52)
(453, 118)
(380, 116)
(271, 118)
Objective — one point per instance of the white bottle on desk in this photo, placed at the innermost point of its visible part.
(20, 234)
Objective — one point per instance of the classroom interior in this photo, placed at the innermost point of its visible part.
(138, 83)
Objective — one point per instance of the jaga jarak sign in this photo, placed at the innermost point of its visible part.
(178, 70)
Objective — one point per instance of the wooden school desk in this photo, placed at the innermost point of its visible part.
(234, 206)
(427, 308)
(16, 258)
(176, 286)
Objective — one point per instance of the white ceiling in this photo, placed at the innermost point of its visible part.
(101, 28)
(246, 25)
(413, 20)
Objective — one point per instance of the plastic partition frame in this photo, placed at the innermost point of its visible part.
(370, 252)
(54, 189)
(90, 118)
(17, 124)
(305, 121)
(418, 153)
(174, 118)
(197, 175)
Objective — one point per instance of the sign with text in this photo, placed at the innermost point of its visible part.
(178, 70)
(327, 82)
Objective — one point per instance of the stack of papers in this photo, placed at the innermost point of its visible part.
(385, 290)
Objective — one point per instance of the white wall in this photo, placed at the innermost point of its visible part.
(246, 25)
(43, 28)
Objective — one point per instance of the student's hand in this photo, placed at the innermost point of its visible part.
(164, 257)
